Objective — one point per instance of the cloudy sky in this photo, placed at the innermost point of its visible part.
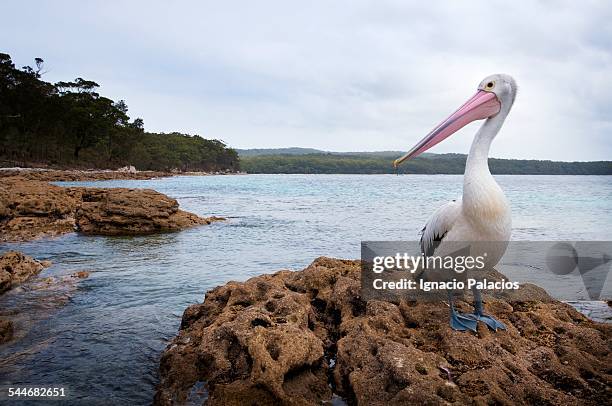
(343, 76)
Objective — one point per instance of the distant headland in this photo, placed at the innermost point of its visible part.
(313, 161)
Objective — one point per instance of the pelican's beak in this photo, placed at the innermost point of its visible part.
(480, 106)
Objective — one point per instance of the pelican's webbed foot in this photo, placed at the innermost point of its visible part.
(489, 320)
(459, 321)
(462, 322)
(479, 314)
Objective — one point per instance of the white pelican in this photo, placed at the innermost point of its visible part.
(483, 212)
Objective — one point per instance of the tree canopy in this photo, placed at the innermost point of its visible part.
(371, 163)
(70, 124)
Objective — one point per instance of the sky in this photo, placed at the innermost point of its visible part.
(335, 75)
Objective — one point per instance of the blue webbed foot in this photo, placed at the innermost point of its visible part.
(479, 314)
(490, 321)
(462, 322)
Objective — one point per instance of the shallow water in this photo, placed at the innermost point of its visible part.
(103, 337)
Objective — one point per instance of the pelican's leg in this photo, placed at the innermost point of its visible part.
(459, 321)
(479, 314)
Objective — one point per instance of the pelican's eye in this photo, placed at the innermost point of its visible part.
(489, 85)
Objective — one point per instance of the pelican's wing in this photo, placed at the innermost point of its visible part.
(438, 225)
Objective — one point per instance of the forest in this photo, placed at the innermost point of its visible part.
(373, 163)
(70, 125)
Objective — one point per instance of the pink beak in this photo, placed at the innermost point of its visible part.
(480, 106)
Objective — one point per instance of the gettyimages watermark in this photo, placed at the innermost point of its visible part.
(523, 271)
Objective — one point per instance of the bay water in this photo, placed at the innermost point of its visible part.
(102, 338)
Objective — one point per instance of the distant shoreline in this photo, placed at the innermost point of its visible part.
(296, 162)
(75, 175)
(89, 175)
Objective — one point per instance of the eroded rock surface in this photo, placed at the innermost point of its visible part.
(30, 209)
(16, 268)
(123, 211)
(78, 175)
(298, 337)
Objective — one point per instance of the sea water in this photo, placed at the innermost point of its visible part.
(102, 338)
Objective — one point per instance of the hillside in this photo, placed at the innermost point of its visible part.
(278, 151)
(381, 163)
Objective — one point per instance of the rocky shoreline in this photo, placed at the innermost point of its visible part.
(15, 268)
(307, 337)
(30, 207)
(74, 175)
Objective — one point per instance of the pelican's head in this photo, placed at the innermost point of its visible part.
(503, 86)
(495, 93)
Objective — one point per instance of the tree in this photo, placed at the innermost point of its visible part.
(70, 123)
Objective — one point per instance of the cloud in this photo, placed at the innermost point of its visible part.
(351, 75)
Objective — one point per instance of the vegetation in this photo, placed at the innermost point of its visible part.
(311, 151)
(278, 151)
(69, 124)
(373, 163)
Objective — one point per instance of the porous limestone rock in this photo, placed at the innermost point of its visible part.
(31, 209)
(122, 211)
(301, 338)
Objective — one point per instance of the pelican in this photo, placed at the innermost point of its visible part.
(483, 212)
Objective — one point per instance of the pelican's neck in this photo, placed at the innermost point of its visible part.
(482, 197)
(478, 160)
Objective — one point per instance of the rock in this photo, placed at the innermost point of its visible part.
(79, 175)
(80, 275)
(16, 268)
(30, 209)
(128, 169)
(131, 211)
(298, 337)
(6, 330)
